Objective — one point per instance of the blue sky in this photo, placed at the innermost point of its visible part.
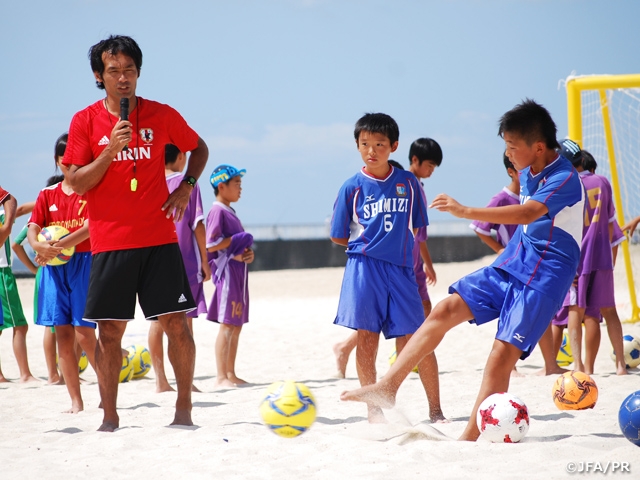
(275, 86)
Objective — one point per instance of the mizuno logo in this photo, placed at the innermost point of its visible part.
(519, 337)
(182, 298)
(104, 141)
(370, 198)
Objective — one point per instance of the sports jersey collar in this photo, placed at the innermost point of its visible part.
(545, 169)
(224, 207)
(584, 173)
(173, 175)
(510, 193)
(378, 179)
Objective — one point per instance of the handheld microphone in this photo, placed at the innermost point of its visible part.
(124, 114)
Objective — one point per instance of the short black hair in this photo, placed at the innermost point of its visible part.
(113, 45)
(396, 164)
(377, 123)
(532, 122)
(426, 149)
(171, 153)
(59, 148)
(588, 162)
(507, 163)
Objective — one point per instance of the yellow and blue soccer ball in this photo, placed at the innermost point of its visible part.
(631, 347)
(394, 356)
(126, 372)
(140, 358)
(565, 355)
(288, 408)
(83, 362)
(56, 232)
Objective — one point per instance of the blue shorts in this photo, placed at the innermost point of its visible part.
(63, 293)
(379, 296)
(523, 313)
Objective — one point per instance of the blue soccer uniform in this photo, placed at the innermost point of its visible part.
(526, 284)
(378, 216)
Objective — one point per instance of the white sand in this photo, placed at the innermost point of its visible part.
(290, 336)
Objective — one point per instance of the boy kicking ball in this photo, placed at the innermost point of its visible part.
(526, 284)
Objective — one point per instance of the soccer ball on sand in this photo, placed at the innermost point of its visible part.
(503, 418)
(288, 408)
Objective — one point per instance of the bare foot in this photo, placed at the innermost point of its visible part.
(469, 437)
(375, 415)
(195, 389)
(29, 378)
(109, 426)
(437, 417)
(236, 381)
(4, 379)
(164, 387)
(341, 360)
(622, 370)
(551, 371)
(373, 395)
(182, 417)
(75, 407)
(515, 373)
(578, 367)
(224, 383)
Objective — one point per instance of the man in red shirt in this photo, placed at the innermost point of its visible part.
(119, 165)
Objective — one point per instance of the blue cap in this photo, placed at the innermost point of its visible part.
(571, 151)
(224, 173)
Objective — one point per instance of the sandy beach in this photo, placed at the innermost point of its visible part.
(290, 336)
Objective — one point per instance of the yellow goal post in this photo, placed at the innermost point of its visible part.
(604, 118)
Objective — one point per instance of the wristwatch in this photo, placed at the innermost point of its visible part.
(190, 180)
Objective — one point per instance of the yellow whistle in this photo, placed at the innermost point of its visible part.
(134, 184)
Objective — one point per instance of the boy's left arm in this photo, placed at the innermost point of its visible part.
(428, 264)
(201, 239)
(10, 205)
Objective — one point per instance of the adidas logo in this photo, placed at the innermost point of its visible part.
(182, 298)
(53, 208)
(104, 141)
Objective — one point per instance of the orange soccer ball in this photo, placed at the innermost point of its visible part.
(575, 391)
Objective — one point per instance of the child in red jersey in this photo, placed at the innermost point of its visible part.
(63, 289)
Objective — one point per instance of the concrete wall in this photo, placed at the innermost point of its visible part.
(317, 253)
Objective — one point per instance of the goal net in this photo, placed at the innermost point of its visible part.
(604, 118)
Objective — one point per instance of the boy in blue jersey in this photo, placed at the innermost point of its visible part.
(376, 216)
(526, 284)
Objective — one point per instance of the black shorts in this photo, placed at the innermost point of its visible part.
(155, 274)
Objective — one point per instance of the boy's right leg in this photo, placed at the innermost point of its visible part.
(231, 357)
(591, 343)
(49, 347)
(614, 329)
(497, 374)
(576, 314)
(222, 356)
(156, 349)
(366, 353)
(66, 339)
(447, 314)
(550, 353)
(342, 350)
(20, 352)
(109, 363)
(429, 376)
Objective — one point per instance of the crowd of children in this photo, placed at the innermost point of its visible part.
(61, 289)
(553, 228)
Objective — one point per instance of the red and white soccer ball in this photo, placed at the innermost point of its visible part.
(503, 418)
